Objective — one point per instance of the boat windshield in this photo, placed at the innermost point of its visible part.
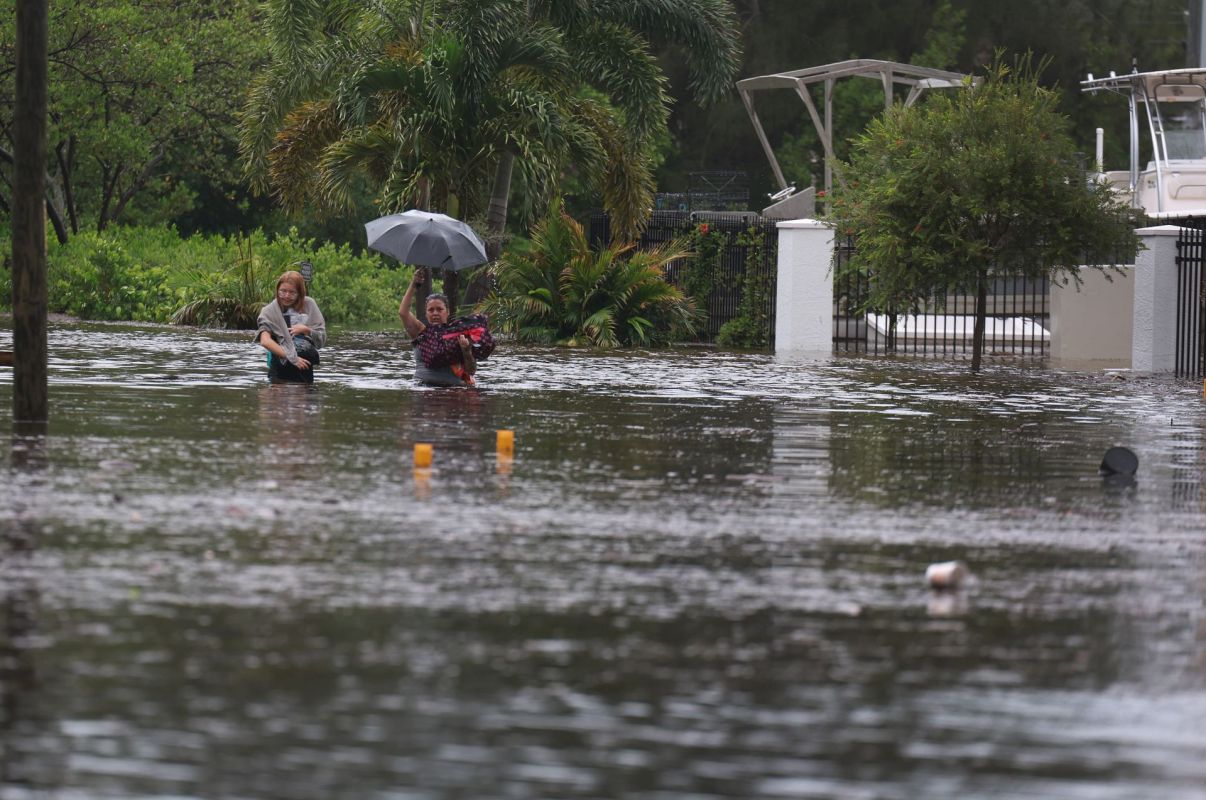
(1182, 111)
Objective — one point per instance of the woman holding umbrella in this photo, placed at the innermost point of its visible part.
(429, 239)
(456, 374)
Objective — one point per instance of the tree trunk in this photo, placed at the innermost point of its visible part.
(30, 400)
(66, 170)
(56, 221)
(496, 224)
(500, 195)
(981, 317)
(452, 285)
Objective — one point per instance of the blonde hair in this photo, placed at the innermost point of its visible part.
(295, 280)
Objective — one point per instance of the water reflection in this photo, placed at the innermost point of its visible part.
(700, 574)
(19, 604)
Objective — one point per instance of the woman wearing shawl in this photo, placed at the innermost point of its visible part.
(291, 329)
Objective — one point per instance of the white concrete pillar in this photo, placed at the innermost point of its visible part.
(804, 289)
(1154, 345)
(1091, 321)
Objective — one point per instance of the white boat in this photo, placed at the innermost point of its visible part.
(1171, 104)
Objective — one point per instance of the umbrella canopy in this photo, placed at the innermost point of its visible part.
(426, 239)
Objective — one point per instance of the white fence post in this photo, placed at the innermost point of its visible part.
(1154, 345)
(804, 288)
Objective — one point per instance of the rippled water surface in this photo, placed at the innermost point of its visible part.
(700, 576)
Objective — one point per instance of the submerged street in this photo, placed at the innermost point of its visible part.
(701, 575)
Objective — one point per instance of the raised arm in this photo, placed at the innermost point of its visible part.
(409, 321)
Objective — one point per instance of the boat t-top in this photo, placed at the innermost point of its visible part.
(1172, 103)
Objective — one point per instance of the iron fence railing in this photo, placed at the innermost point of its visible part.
(749, 242)
(1017, 321)
(1018, 307)
(1191, 300)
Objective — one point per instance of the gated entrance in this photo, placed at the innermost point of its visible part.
(1191, 319)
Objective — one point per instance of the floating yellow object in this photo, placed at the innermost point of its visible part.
(503, 463)
(506, 442)
(422, 455)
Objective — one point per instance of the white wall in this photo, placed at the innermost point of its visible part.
(804, 291)
(1092, 323)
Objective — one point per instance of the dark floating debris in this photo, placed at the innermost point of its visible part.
(1119, 461)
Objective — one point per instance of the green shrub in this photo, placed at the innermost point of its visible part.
(230, 297)
(699, 274)
(95, 277)
(558, 291)
(151, 274)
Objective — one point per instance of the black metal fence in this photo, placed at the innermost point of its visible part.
(1017, 324)
(1191, 302)
(748, 242)
(1018, 310)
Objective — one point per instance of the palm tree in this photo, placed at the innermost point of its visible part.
(611, 44)
(444, 98)
(391, 105)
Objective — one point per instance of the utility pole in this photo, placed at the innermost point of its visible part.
(30, 399)
(1195, 53)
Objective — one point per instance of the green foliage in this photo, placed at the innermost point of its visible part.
(440, 103)
(141, 93)
(556, 290)
(971, 181)
(6, 267)
(230, 297)
(153, 275)
(699, 273)
(751, 327)
(781, 35)
(96, 277)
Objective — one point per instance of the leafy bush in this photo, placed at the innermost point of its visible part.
(699, 274)
(97, 278)
(557, 290)
(151, 274)
(229, 298)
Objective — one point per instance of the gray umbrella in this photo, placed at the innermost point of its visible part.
(426, 239)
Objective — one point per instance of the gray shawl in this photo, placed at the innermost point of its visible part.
(272, 319)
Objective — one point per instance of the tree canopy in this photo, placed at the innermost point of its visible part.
(142, 94)
(143, 91)
(970, 182)
(433, 102)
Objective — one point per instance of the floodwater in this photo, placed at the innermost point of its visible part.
(700, 576)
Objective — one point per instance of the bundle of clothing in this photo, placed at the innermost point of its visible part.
(438, 345)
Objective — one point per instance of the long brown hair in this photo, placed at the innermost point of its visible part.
(295, 280)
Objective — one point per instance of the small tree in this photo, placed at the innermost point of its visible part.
(980, 180)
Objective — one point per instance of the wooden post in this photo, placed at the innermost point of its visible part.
(30, 400)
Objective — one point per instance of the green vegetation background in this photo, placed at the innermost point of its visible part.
(165, 216)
